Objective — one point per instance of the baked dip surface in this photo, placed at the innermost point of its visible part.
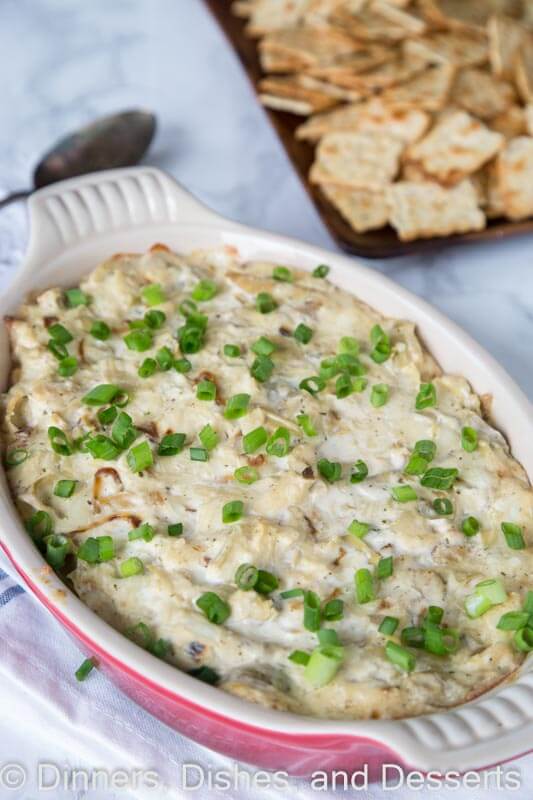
(263, 481)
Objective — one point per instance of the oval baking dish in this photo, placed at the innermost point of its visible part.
(77, 224)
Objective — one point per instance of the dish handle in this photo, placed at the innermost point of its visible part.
(67, 213)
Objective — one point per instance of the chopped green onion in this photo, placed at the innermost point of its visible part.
(321, 271)
(164, 358)
(102, 394)
(83, 671)
(155, 319)
(313, 385)
(282, 274)
(379, 395)
(246, 475)
(399, 656)
(288, 594)
(175, 529)
(388, 625)
(215, 609)
(136, 324)
(204, 290)
(198, 454)
(413, 636)
(348, 344)
(237, 406)
(262, 368)
(205, 674)
(381, 345)
(513, 536)
(97, 550)
(100, 330)
(232, 350)
(208, 437)
(470, 526)
(328, 636)
(265, 303)
(16, 456)
(182, 365)
(40, 525)
(153, 294)
(364, 586)
(246, 577)
(187, 307)
(147, 368)
(299, 657)
(442, 506)
(139, 340)
(132, 566)
(57, 549)
(102, 447)
(486, 594)
(426, 448)
(426, 397)
(255, 439)
(191, 338)
(266, 582)
(385, 567)
(67, 366)
(206, 390)
(123, 433)
(75, 297)
(232, 511)
(324, 663)
(528, 603)
(329, 367)
(343, 386)
(57, 349)
(416, 465)
(140, 457)
(304, 421)
(360, 472)
(434, 615)
(358, 529)
(347, 362)
(331, 471)
(144, 531)
(523, 639)
(59, 333)
(279, 443)
(469, 439)
(65, 488)
(441, 641)
(107, 415)
(403, 494)
(303, 333)
(171, 444)
(312, 613)
(121, 399)
(333, 610)
(440, 478)
(513, 621)
(59, 441)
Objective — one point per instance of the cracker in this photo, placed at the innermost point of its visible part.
(457, 146)
(428, 91)
(523, 70)
(304, 47)
(461, 48)
(423, 210)
(389, 74)
(359, 160)
(373, 115)
(271, 15)
(378, 21)
(481, 93)
(288, 94)
(366, 57)
(529, 119)
(514, 171)
(330, 89)
(513, 122)
(505, 40)
(363, 209)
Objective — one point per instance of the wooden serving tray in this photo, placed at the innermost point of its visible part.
(383, 243)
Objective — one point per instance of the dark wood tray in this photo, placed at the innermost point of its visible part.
(382, 243)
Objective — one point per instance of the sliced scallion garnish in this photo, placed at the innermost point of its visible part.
(208, 437)
(215, 609)
(426, 397)
(204, 290)
(513, 536)
(255, 439)
(314, 384)
(171, 444)
(100, 330)
(331, 471)
(85, 669)
(470, 526)
(442, 478)
(144, 531)
(246, 475)
(304, 421)
(139, 340)
(140, 457)
(237, 406)
(262, 368)
(399, 656)
(364, 586)
(279, 443)
(232, 350)
(303, 333)
(65, 488)
(132, 566)
(265, 303)
(198, 454)
(358, 529)
(379, 395)
(360, 472)
(232, 511)
(206, 390)
(469, 439)
(282, 274)
(164, 358)
(59, 333)
(147, 368)
(381, 345)
(388, 625)
(102, 447)
(321, 271)
(403, 494)
(75, 298)
(153, 294)
(59, 441)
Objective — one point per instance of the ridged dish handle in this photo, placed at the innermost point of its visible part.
(68, 213)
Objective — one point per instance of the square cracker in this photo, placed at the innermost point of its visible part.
(366, 57)
(423, 210)
(359, 160)
(505, 40)
(513, 122)
(428, 90)
(455, 147)
(378, 21)
(271, 15)
(373, 115)
(300, 48)
(288, 93)
(456, 47)
(363, 209)
(514, 169)
(481, 93)
(523, 70)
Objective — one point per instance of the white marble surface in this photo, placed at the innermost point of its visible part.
(65, 62)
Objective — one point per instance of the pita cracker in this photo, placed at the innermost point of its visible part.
(379, 22)
(523, 70)
(330, 89)
(512, 123)
(363, 209)
(514, 171)
(481, 93)
(271, 15)
(365, 58)
(466, 15)
(529, 118)
(373, 115)
(505, 40)
(288, 94)
(305, 47)
(359, 160)
(456, 47)
(457, 146)
(423, 210)
(428, 91)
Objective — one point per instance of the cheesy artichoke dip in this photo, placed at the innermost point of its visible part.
(264, 482)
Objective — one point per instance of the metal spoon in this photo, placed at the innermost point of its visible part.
(119, 140)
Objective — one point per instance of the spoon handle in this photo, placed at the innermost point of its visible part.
(11, 198)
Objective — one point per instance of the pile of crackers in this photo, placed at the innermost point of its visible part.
(421, 111)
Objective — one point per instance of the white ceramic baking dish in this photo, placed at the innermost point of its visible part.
(76, 224)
